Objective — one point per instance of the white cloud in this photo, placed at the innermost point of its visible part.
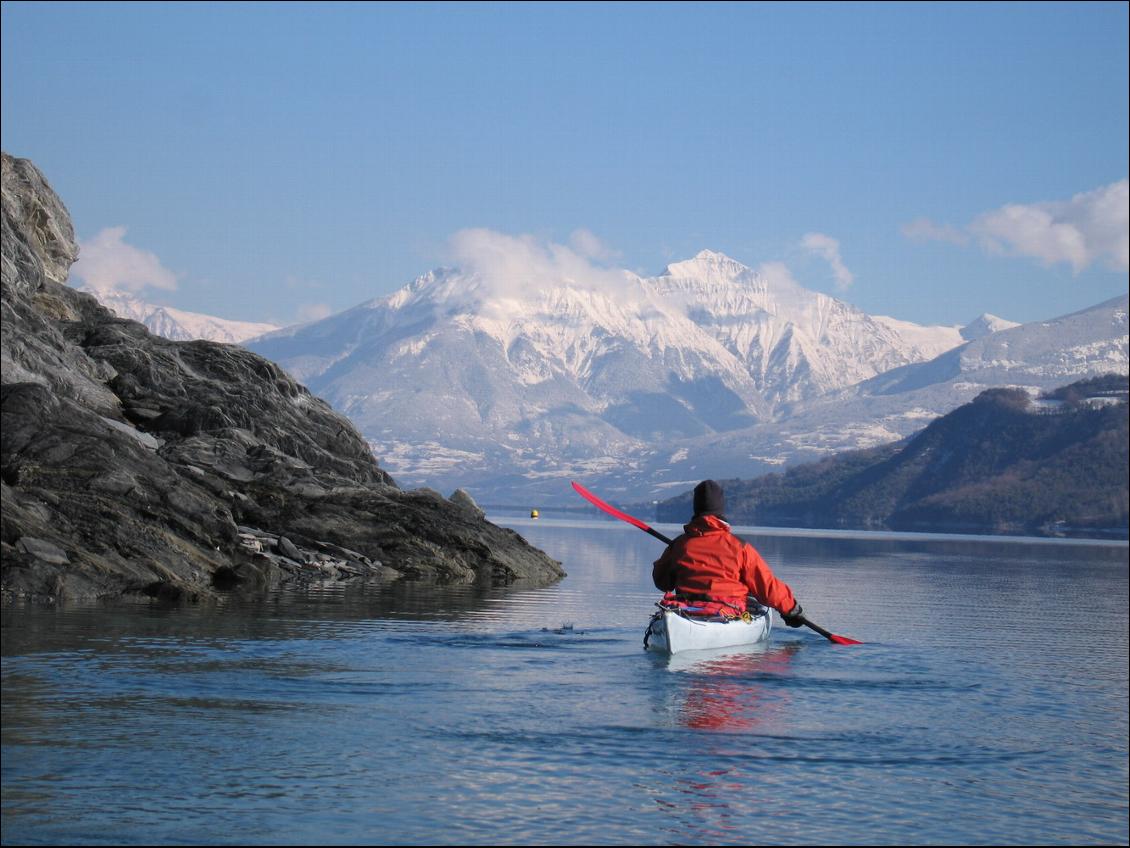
(313, 312)
(1091, 227)
(514, 266)
(777, 274)
(585, 243)
(829, 249)
(108, 264)
(923, 229)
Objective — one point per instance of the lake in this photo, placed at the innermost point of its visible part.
(988, 705)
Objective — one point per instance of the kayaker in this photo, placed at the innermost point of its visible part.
(708, 563)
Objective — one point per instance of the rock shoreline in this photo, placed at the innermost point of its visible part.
(136, 465)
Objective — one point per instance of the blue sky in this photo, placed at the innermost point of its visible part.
(279, 161)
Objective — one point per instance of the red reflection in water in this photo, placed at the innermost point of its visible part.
(726, 693)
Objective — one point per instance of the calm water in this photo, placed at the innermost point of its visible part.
(988, 705)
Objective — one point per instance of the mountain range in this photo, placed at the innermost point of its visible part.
(643, 385)
(1036, 357)
(177, 324)
(511, 386)
(504, 387)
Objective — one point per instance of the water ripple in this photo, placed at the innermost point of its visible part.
(403, 714)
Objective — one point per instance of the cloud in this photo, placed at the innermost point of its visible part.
(584, 243)
(1091, 227)
(509, 266)
(308, 312)
(108, 264)
(829, 248)
(777, 274)
(923, 229)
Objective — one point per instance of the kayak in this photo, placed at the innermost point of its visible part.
(672, 631)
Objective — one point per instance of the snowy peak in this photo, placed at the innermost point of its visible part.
(507, 343)
(984, 325)
(177, 324)
(709, 316)
(1087, 343)
(1039, 355)
(709, 266)
(563, 324)
(795, 343)
(717, 277)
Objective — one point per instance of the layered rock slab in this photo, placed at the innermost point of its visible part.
(132, 464)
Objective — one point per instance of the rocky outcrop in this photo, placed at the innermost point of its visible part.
(134, 464)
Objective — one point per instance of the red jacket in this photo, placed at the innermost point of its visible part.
(710, 561)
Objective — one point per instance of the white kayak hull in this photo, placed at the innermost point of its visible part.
(672, 633)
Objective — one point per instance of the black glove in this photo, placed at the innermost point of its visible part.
(794, 617)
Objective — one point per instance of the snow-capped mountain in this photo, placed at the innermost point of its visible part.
(177, 324)
(1038, 356)
(794, 343)
(568, 371)
(984, 325)
(459, 378)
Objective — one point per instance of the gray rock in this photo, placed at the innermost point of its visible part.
(461, 498)
(172, 469)
(115, 483)
(287, 549)
(131, 431)
(42, 550)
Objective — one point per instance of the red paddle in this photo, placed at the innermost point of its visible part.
(635, 522)
(623, 516)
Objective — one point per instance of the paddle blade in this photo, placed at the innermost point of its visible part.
(831, 637)
(611, 510)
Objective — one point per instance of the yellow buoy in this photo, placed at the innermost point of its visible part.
(533, 513)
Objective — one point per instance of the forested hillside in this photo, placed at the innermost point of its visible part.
(1001, 464)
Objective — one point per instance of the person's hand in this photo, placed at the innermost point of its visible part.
(794, 617)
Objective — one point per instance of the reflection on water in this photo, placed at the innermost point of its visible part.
(988, 705)
(732, 690)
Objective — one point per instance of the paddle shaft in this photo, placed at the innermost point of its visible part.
(623, 516)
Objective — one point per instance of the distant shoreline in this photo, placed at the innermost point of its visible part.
(1115, 538)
